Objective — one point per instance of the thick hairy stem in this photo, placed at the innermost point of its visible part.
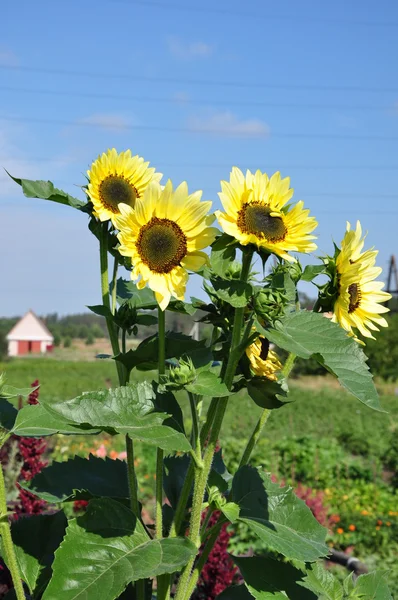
(8, 546)
(203, 475)
(163, 581)
(289, 364)
(122, 375)
(186, 488)
(214, 533)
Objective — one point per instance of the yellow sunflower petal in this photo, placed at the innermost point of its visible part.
(117, 178)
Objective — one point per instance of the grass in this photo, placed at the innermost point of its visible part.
(318, 406)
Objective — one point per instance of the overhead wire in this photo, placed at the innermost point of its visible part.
(199, 130)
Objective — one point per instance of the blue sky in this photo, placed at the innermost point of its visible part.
(309, 90)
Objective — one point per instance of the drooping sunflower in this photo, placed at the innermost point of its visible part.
(164, 236)
(359, 298)
(263, 361)
(115, 178)
(256, 212)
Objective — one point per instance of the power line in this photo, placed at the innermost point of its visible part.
(198, 165)
(181, 80)
(306, 195)
(199, 130)
(210, 101)
(250, 15)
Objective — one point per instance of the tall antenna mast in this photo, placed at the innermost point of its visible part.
(392, 285)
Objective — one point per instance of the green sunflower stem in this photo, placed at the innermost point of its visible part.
(255, 436)
(289, 364)
(202, 475)
(122, 375)
(163, 581)
(186, 488)
(214, 533)
(7, 543)
(114, 284)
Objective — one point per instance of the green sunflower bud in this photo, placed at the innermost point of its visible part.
(269, 304)
(182, 375)
(126, 317)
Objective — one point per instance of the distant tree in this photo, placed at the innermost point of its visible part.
(90, 339)
(67, 342)
(57, 338)
(97, 331)
(83, 332)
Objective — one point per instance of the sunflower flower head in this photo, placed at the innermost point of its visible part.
(164, 236)
(117, 178)
(257, 212)
(359, 301)
(264, 362)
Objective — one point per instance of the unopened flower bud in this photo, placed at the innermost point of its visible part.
(183, 374)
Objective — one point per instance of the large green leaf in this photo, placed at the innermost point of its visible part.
(265, 577)
(8, 414)
(311, 334)
(35, 540)
(128, 409)
(223, 252)
(145, 356)
(80, 479)
(175, 469)
(236, 592)
(208, 384)
(281, 520)
(106, 549)
(36, 421)
(322, 583)
(236, 293)
(47, 191)
(373, 586)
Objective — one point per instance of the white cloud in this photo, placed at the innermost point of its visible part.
(188, 50)
(114, 122)
(8, 58)
(228, 124)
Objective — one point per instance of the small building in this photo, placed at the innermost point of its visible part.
(29, 336)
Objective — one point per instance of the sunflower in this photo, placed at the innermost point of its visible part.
(359, 295)
(256, 212)
(163, 236)
(263, 361)
(115, 178)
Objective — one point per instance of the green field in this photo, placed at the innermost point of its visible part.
(319, 407)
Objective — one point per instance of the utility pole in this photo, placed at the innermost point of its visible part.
(392, 285)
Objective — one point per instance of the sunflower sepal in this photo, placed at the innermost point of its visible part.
(311, 272)
(266, 393)
(223, 253)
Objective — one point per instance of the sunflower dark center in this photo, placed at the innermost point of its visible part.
(115, 189)
(354, 291)
(264, 348)
(255, 218)
(161, 245)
